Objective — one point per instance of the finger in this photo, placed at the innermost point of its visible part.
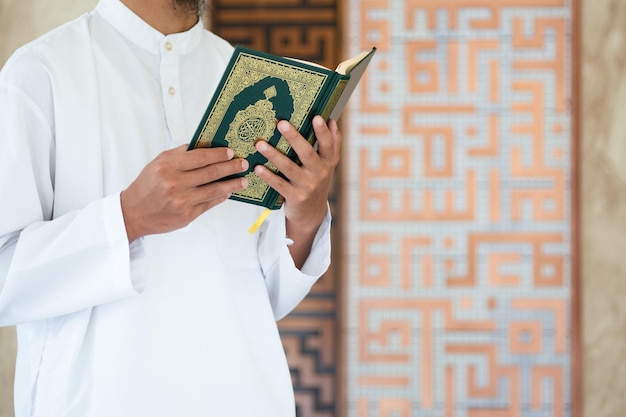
(220, 190)
(214, 172)
(328, 138)
(200, 157)
(286, 166)
(306, 153)
(282, 186)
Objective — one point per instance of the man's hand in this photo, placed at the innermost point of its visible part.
(177, 187)
(307, 186)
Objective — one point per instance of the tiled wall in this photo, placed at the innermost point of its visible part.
(460, 209)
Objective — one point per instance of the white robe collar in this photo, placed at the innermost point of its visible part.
(135, 29)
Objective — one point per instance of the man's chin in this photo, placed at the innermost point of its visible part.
(194, 7)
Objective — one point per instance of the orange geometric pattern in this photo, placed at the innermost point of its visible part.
(458, 183)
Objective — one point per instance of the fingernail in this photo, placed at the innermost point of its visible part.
(230, 153)
(283, 126)
(261, 145)
(259, 169)
(244, 182)
(244, 164)
(318, 121)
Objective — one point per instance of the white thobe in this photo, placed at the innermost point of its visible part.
(176, 324)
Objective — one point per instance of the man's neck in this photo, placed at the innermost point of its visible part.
(162, 15)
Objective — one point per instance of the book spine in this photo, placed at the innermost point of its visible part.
(331, 101)
(334, 97)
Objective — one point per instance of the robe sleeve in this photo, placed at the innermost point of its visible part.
(53, 266)
(286, 284)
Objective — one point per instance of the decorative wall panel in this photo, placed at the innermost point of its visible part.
(306, 29)
(458, 188)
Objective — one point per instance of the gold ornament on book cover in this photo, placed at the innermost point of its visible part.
(256, 122)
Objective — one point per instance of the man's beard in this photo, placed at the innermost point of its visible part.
(194, 7)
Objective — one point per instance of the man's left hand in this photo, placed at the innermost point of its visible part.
(306, 186)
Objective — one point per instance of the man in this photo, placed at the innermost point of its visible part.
(134, 284)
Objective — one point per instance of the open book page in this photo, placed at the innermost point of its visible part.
(346, 66)
(355, 67)
(343, 68)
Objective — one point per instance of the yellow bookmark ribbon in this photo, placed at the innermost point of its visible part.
(259, 221)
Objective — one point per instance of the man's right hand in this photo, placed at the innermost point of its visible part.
(177, 187)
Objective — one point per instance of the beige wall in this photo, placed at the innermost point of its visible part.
(20, 22)
(24, 20)
(602, 200)
(603, 203)
(7, 367)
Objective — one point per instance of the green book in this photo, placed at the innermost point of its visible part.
(259, 89)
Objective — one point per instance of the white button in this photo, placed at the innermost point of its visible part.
(172, 91)
(168, 46)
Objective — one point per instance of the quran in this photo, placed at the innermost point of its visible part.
(257, 90)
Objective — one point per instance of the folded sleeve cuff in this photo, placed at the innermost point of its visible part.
(286, 284)
(319, 259)
(116, 233)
